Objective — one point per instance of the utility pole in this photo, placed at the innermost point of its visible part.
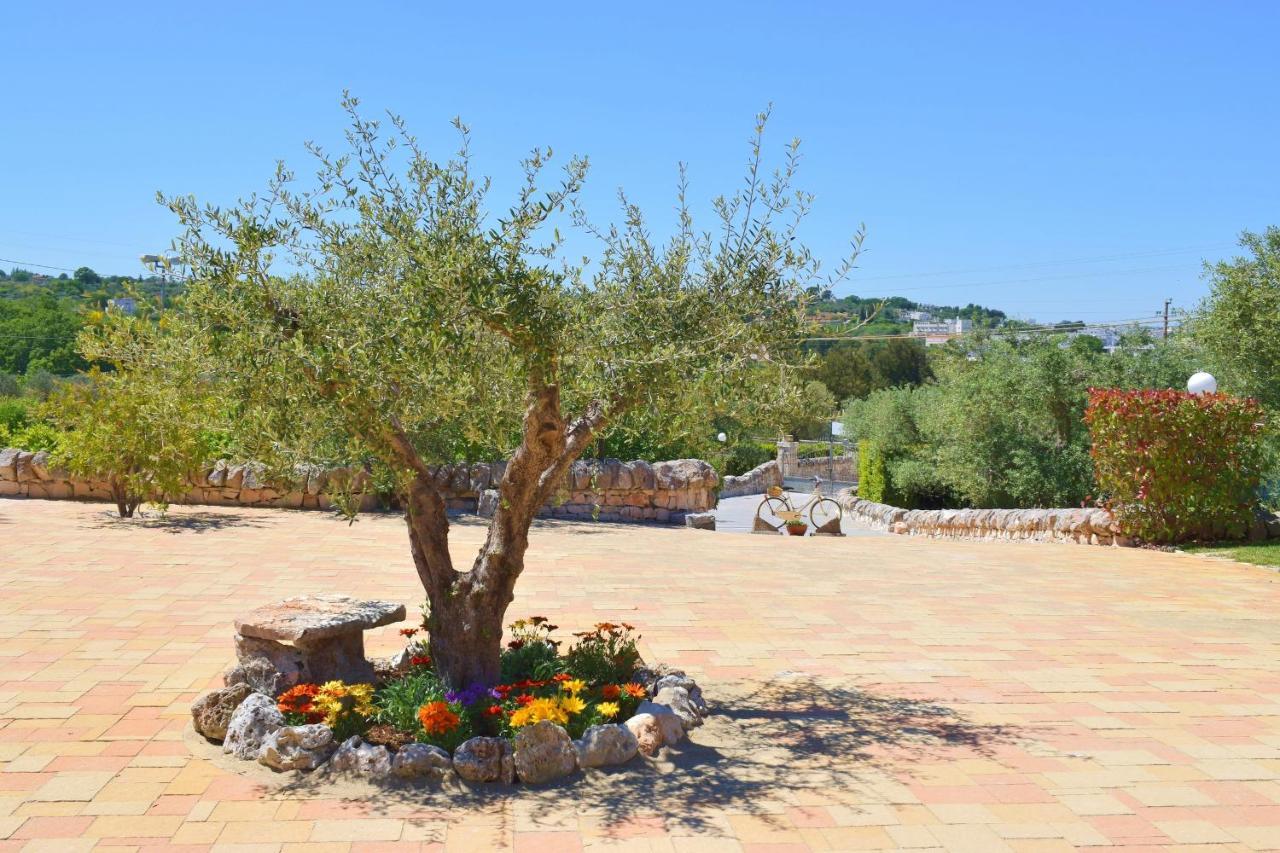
(1166, 319)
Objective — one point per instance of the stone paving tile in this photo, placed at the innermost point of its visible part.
(874, 692)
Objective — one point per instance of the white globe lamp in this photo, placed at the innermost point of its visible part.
(1202, 383)
(722, 438)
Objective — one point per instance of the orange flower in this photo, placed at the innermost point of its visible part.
(635, 691)
(437, 719)
(561, 676)
(408, 632)
(611, 691)
(298, 700)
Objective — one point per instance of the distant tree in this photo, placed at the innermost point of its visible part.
(847, 372)
(87, 277)
(1087, 343)
(21, 275)
(1239, 320)
(901, 362)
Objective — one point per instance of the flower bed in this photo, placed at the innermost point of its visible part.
(590, 706)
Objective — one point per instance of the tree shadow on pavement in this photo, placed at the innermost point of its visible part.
(176, 523)
(762, 745)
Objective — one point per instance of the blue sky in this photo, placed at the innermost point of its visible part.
(1058, 161)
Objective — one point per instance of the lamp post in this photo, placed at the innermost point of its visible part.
(1202, 383)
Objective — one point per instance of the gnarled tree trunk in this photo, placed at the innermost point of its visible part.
(467, 609)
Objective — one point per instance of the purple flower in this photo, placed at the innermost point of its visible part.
(467, 696)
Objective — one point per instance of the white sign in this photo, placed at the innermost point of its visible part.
(837, 428)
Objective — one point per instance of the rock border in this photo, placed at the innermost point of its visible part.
(243, 718)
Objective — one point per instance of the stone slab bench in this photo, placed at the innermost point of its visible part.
(314, 638)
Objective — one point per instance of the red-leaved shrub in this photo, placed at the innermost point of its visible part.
(1173, 466)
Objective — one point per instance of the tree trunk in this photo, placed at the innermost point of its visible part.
(467, 610)
(125, 503)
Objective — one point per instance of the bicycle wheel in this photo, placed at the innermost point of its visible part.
(824, 511)
(770, 510)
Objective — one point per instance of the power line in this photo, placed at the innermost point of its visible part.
(29, 264)
(1034, 264)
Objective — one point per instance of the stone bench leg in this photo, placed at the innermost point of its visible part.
(339, 658)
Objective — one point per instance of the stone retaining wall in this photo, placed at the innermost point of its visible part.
(843, 467)
(757, 481)
(607, 490)
(1084, 526)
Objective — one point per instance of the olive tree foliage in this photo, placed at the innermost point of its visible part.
(144, 426)
(1238, 322)
(381, 311)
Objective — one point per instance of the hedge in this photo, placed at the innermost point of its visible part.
(1173, 466)
(872, 483)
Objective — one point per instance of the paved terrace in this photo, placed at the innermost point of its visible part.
(874, 692)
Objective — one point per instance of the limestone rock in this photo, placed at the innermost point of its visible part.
(543, 752)
(308, 618)
(484, 759)
(421, 761)
(682, 704)
(604, 745)
(9, 463)
(256, 718)
(287, 662)
(648, 734)
(258, 674)
(356, 756)
(211, 713)
(648, 676)
(487, 504)
(700, 520)
(297, 747)
(671, 726)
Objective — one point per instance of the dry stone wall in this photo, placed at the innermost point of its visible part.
(607, 490)
(757, 481)
(1083, 526)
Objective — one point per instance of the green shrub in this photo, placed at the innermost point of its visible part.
(1173, 466)
(872, 483)
(15, 413)
(917, 484)
(740, 457)
(36, 436)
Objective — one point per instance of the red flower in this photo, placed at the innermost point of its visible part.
(420, 660)
(494, 710)
(408, 632)
(524, 698)
(561, 676)
(611, 691)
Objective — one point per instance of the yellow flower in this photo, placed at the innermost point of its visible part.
(335, 699)
(574, 686)
(547, 709)
(521, 717)
(573, 704)
(608, 710)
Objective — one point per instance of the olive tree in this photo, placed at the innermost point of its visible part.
(145, 425)
(382, 307)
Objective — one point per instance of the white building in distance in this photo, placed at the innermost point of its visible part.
(937, 332)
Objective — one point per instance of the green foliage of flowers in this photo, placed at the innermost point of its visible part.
(1174, 466)
(399, 700)
(605, 654)
(530, 653)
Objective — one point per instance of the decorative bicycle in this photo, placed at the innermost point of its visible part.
(820, 512)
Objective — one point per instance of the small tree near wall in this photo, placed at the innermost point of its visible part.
(1174, 466)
